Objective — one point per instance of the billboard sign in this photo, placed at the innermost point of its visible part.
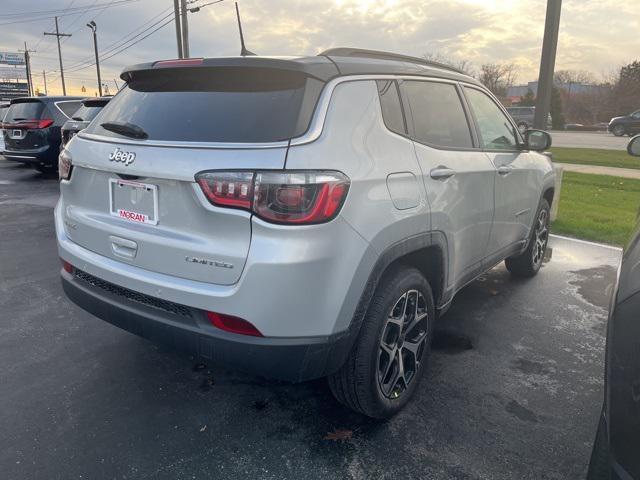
(12, 72)
(11, 58)
(13, 90)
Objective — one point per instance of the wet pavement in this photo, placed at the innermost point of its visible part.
(513, 389)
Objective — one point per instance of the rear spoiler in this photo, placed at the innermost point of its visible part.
(320, 68)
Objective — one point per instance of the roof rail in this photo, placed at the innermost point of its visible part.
(363, 53)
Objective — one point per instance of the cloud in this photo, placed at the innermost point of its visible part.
(476, 30)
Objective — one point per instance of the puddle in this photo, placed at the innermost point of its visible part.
(452, 343)
(523, 413)
(595, 284)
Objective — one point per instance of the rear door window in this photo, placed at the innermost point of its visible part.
(391, 108)
(68, 107)
(437, 114)
(24, 111)
(229, 104)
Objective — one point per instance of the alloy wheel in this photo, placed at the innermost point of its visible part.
(541, 237)
(403, 343)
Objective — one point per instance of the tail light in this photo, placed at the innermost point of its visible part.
(30, 124)
(233, 324)
(293, 198)
(65, 165)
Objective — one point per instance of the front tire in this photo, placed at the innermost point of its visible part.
(618, 130)
(528, 263)
(45, 168)
(390, 355)
(599, 463)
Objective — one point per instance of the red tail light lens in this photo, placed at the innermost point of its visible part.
(233, 324)
(300, 198)
(227, 189)
(30, 124)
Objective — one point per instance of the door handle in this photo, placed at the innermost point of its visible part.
(439, 173)
(505, 169)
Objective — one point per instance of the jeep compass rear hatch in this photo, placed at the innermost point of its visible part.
(133, 194)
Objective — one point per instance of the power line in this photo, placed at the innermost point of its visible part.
(39, 18)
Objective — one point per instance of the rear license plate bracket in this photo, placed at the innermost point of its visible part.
(133, 201)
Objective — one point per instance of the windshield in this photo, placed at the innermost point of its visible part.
(214, 105)
(24, 111)
(86, 113)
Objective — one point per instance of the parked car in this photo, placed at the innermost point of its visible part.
(299, 218)
(3, 111)
(615, 452)
(80, 120)
(523, 116)
(626, 125)
(32, 129)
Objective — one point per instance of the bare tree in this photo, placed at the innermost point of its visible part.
(580, 77)
(498, 77)
(464, 66)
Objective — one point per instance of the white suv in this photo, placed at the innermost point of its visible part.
(299, 217)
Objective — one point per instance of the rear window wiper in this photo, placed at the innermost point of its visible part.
(78, 119)
(125, 128)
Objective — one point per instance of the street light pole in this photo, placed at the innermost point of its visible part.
(185, 29)
(547, 63)
(92, 25)
(176, 13)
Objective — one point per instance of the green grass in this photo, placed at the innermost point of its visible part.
(597, 207)
(593, 156)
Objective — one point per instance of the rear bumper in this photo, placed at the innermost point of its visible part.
(43, 156)
(290, 359)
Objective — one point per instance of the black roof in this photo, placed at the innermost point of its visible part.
(324, 66)
(44, 99)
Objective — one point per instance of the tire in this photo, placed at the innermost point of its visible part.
(390, 338)
(619, 130)
(528, 263)
(599, 468)
(45, 168)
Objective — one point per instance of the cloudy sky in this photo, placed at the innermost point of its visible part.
(592, 32)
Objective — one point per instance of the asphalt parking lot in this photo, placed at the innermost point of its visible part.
(513, 390)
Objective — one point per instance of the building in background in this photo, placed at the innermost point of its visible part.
(13, 76)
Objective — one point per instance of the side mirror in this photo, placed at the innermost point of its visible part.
(537, 140)
(634, 146)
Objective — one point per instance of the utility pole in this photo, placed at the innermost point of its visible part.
(176, 12)
(27, 62)
(92, 25)
(58, 35)
(44, 75)
(547, 63)
(185, 29)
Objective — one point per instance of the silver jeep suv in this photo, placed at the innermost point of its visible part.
(299, 217)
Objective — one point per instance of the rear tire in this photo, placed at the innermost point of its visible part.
(391, 353)
(528, 263)
(45, 168)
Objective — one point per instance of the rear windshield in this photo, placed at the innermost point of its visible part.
(24, 111)
(237, 105)
(87, 113)
(3, 111)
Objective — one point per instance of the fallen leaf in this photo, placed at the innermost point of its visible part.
(203, 428)
(339, 435)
